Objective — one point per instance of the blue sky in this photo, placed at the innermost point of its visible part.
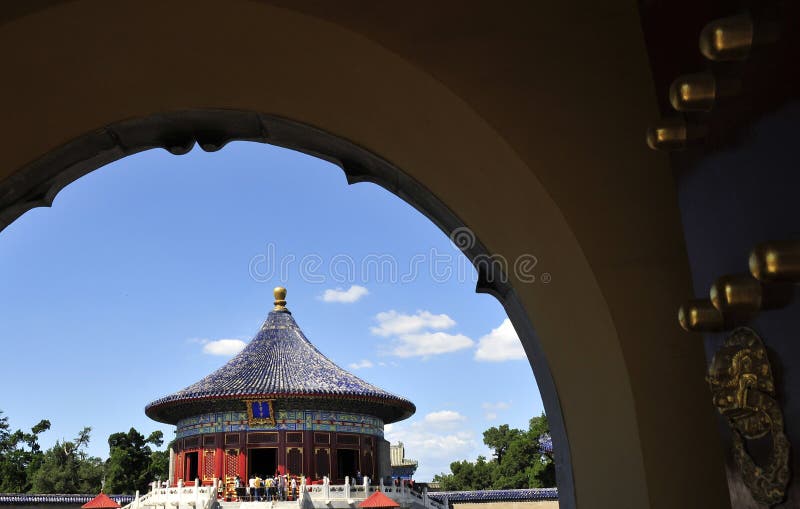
(149, 273)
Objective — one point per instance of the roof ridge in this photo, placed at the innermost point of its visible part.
(279, 360)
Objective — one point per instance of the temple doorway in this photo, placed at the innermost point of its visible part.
(347, 463)
(262, 462)
(191, 466)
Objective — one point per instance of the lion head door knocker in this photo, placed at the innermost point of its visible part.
(743, 390)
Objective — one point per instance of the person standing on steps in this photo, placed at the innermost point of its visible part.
(259, 488)
(282, 487)
(251, 487)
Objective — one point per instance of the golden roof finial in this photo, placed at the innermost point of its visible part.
(280, 298)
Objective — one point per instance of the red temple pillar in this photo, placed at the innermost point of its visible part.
(308, 455)
(243, 472)
(219, 467)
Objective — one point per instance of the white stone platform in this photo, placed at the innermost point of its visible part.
(317, 496)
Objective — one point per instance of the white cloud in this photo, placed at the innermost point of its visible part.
(391, 323)
(354, 293)
(429, 343)
(502, 344)
(434, 449)
(444, 416)
(492, 408)
(413, 336)
(444, 419)
(500, 405)
(225, 347)
(365, 363)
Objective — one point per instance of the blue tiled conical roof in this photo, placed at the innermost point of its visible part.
(280, 363)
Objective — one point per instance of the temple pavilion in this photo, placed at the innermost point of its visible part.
(280, 406)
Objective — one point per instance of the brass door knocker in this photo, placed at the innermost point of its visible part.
(743, 390)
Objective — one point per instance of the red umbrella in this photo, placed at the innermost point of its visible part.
(378, 499)
(101, 501)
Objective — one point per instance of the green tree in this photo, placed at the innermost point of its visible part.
(58, 472)
(131, 464)
(544, 471)
(466, 475)
(20, 456)
(66, 468)
(159, 460)
(500, 440)
(36, 453)
(519, 461)
(159, 465)
(91, 471)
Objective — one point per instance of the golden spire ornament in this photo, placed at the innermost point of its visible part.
(280, 298)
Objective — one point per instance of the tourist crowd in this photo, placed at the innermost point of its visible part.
(276, 488)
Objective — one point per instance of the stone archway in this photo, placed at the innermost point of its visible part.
(178, 133)
(544, 157)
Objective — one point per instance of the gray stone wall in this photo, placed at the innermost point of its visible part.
(384, 466)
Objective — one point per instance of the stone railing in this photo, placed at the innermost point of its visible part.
(179, 497)
(326, 494)
(55, 498)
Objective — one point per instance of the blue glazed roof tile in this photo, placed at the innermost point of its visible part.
(32, 498)
(546, 443)
(496, 495)
(279, 362)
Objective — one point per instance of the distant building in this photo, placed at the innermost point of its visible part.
(280, 406)
(402, 468)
